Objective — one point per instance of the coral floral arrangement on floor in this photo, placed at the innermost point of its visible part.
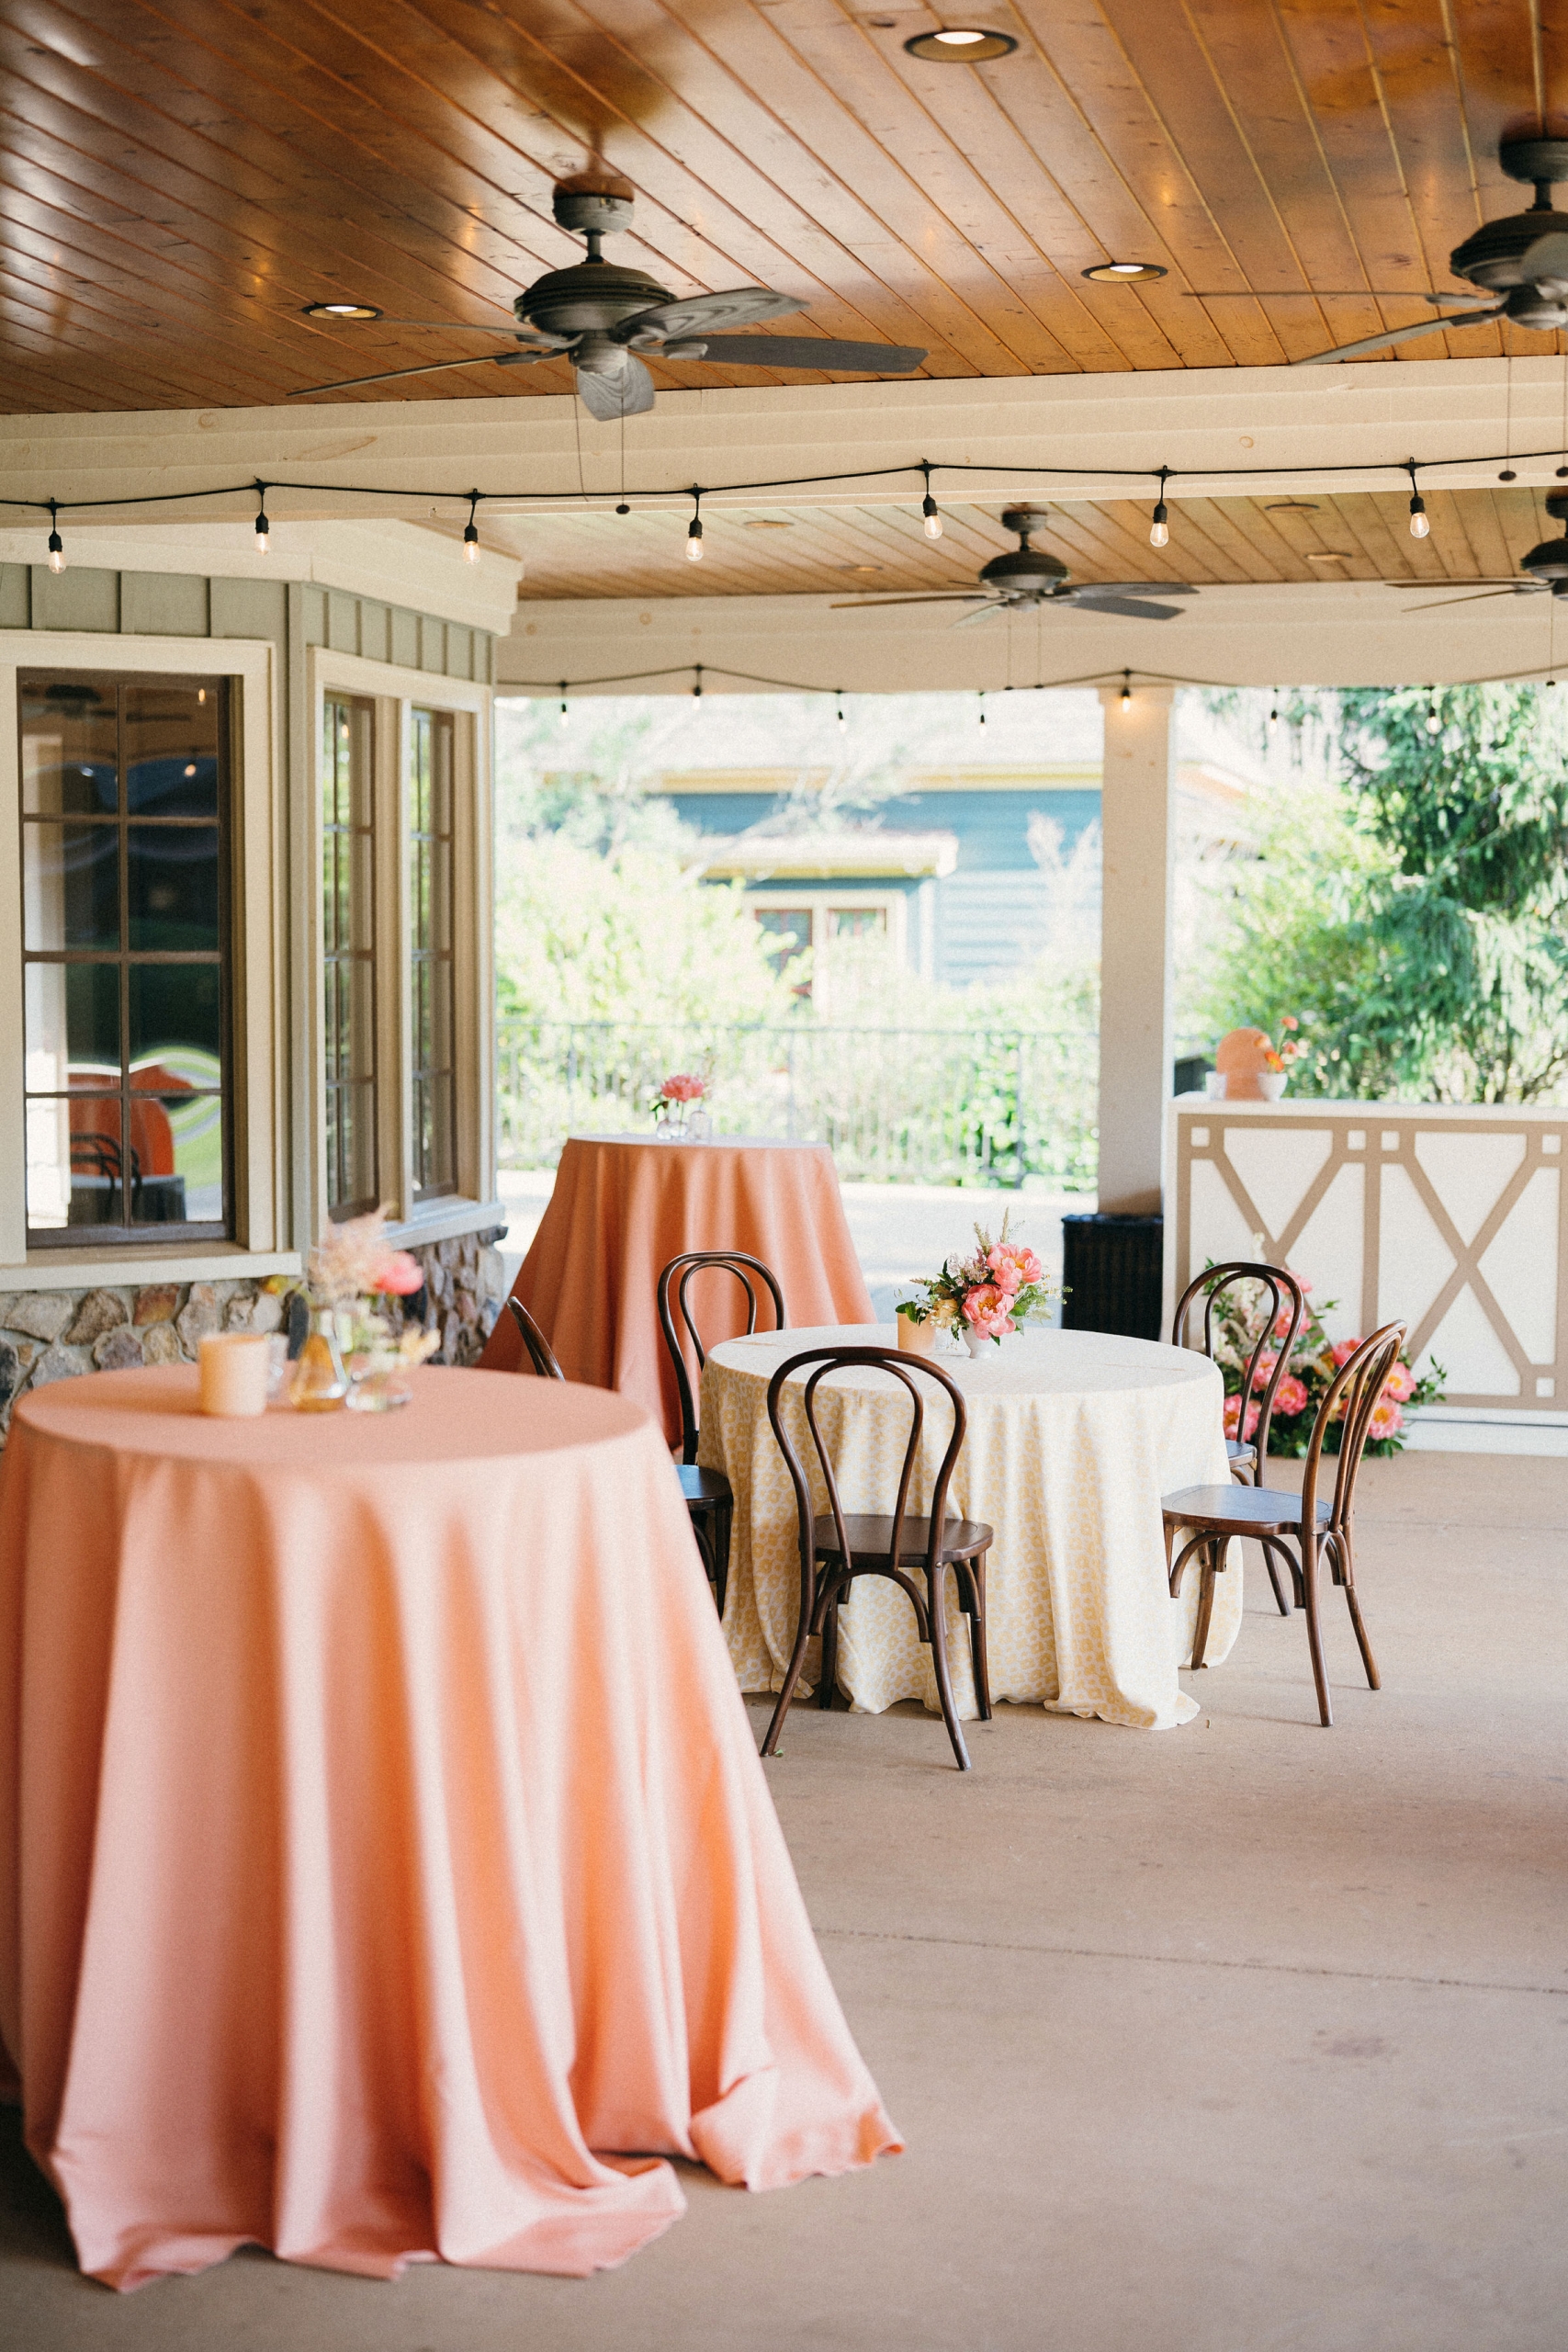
(1313, 1360)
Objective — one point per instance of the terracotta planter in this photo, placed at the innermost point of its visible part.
(916, 1339)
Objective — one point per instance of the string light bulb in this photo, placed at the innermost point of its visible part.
(694, 534)
(1434, 724)
(697, 689)
(1274, 720)
(471, 530)
(932, 522)
(56, 544)
(263, 528)
(980, 699)
(1419, 525)
(565, 713)
(1126, 693)
(1159, 522)
(840, 711)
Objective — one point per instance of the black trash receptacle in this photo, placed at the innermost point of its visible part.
(1111, 1271)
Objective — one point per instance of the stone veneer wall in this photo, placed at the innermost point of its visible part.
(59, 1334)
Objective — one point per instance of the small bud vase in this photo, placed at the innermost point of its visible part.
(320, 1384)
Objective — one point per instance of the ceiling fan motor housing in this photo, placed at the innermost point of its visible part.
(1025, 570)
(589, 298)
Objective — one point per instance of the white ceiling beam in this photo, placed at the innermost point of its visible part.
(1320, 634)
(1302, 427)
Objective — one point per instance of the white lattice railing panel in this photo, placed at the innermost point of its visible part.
(1453, 1219)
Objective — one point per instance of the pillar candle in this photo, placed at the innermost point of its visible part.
(235, 1366)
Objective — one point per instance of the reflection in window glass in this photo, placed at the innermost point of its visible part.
(430, 901)
(348, 971)
(124, 954)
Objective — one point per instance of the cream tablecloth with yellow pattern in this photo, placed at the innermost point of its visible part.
(1073, 1438)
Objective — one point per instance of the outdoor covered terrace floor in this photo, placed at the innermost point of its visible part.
(1250, 2035)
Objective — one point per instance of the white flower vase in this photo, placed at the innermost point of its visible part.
(976, 1341)
(1271, 1084)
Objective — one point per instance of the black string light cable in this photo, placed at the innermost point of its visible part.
(1125, 680)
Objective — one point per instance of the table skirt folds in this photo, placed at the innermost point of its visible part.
(380, 1884)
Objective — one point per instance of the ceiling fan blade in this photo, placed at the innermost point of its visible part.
(433, 367)
(1403, 334)
(445, 326)
(880, 604)
(1081, 589)
(1125, 605)
(987, 612)
(1323, 294)
(700, 313)
(811, 350)
(629, 392)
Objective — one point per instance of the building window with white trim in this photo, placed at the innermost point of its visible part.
(431, 891)
(126, 951)
(348, 952)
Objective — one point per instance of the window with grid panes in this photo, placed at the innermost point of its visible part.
(125, 949)
(431, 877)
(348, 958)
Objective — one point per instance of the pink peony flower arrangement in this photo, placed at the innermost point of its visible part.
(1313, 1361)
(986, 1292)
(353, 1260)
(680, 1086)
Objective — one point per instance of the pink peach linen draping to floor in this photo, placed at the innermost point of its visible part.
(387, 1872)
(623, 1207)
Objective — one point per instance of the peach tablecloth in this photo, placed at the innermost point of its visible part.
(383, 1854)
(623, 1207)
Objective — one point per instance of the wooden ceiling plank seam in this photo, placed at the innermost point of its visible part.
(1405, 83)
(1121, 96)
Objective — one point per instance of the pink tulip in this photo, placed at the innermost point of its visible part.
(399, 1273)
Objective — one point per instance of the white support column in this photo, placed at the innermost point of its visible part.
(1138, 823)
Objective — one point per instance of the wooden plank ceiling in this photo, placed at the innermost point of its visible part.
(178, 177)
(875, 550)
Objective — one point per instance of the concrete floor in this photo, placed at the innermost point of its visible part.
(1251, 2037)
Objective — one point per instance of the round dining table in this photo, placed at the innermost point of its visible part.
(387, 1872)
(624, 1206)
(1072, 1439)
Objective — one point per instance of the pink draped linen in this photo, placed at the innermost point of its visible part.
(387, 1872)
(624, 1207)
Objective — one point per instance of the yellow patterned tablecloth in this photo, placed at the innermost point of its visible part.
(1073, 1438)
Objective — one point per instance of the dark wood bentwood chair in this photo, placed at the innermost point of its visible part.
(539, 1349)
(709, 1497)
(1247, 1455)
(1211, 1515)
(858, 1544)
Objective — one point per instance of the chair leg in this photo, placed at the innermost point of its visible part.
(1348, 1564)
(797, 1657)
(1205, 1602)
(828, 1681)
(977, 1636)
(723, 1520)
(1314, 1629)
(1267, 1550)
(938, 1666)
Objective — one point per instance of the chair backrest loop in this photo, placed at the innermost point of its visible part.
(1282, 1288)
(534, 1340)
(1351, 1399)
(674, 1281)
(906, 1369)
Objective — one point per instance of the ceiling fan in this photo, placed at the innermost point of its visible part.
(599, 316)
(1545, 569)
(1026, 580)
(1522, 258)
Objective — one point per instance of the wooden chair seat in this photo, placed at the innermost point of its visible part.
(1240, 1510)
(701, 1486)
(1242, 1457)
(710, 1501)
(870, 1536)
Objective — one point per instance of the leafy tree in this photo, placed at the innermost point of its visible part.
(1414, 917)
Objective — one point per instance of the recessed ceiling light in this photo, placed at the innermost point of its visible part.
(1123, 273)
(767, 523)
(341, 311)
(961, 45)
(1330, 555)
(864, 568)
(1291, 506)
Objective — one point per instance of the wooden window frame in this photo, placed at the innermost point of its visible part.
(256, 1012)
(397, 693)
